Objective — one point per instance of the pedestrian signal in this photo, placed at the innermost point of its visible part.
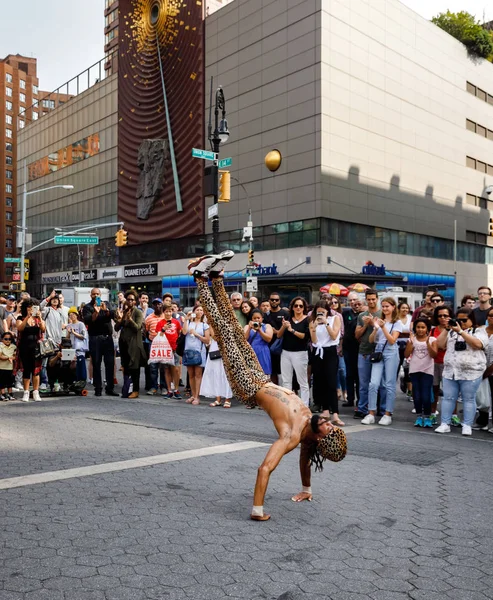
(224, 186)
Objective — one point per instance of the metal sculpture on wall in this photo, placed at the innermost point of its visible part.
(151, 160)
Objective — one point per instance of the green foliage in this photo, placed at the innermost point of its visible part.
(464, 27)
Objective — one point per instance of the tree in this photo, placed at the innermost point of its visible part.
(464, 27)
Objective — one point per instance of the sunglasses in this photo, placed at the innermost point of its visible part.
(444, 316)
(435, 300)
(462, 320)
(484, 294)
(298, 306)
(7, 339)
(274, 299)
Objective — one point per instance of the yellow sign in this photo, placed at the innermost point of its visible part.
(16, 275)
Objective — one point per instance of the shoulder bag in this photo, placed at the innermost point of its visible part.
(45, 348)
(376, 357)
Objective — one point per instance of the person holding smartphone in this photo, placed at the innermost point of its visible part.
(259, 335)
(171, 328)
(325, 333)
(97, 317)
(30, 327)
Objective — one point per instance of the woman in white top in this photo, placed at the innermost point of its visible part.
(325, 331)
(384, 336)
(403, 310)
(215, 384)
(463, 367)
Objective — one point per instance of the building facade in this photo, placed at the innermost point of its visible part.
(384, 124)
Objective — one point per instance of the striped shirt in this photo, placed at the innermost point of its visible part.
(150, 324)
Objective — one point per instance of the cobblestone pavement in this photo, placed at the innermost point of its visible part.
(403, 516)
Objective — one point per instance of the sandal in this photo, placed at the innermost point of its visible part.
(190, 400)
(216, 403)
(227, 404)
(195, 401)
(338, 422)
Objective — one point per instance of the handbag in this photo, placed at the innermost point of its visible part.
(215, 355)
(483, 396)
(376, 357)
(180, 345)
(192, 358)
(45, 348)
(276, 347)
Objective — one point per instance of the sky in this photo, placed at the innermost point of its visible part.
(67, 36)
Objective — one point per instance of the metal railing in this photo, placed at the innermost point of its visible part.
(72, 88)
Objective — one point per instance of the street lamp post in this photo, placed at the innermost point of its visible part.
(23, 226)
(217, 137)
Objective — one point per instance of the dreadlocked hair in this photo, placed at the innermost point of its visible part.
(316, 458)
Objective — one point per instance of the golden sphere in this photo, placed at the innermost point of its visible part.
(273, 160)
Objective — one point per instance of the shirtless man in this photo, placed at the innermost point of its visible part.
(294, 422)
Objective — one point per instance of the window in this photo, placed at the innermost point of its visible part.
(475, 237)
(8, 229)
(8, 92)
(8, 216)
(471, 125)
(8, 133)
(35, 103)
(9, 270)
(8, 174)
(8, 146)
(8, 77)
(8, 188)
(481, 94)
(22, 84)
(22, 124)
(8, 119)
(479, 165)
(111, 35)
(8, 243)
(9, 202)
(8, 160)
(8, 255)
(8, 104)
(48, 103)
(22, 98)
(35, 89)
(481, 130)
(471, 88)
(479, 201)
(35, 115)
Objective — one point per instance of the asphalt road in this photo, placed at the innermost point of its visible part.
(113, 499)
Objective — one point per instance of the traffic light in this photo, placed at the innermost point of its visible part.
(251, 257)
(121, 238)
(224, 186)
(491, 228)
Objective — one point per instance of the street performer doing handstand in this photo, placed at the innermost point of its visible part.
(295, 424)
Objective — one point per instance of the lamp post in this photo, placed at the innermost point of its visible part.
(217, 137)
(23, 226)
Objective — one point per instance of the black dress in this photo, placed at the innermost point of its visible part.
(27, 340)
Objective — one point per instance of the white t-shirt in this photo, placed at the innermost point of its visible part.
(380, 338)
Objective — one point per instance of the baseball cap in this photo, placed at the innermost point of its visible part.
(156, 300)
(10, 297)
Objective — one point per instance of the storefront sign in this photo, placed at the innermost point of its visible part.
(90, 275)
(149, 270)
(56, 277)
(371, 269)
(260, 270)
(110, 273)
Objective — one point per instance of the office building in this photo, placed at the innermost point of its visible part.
(381, 119)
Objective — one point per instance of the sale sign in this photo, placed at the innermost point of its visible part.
(161, 351)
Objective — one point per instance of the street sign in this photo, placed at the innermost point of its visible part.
(251, 284)
(77, 239)
(205, 154)
(213, 211)
(12, 260)
(225, 162)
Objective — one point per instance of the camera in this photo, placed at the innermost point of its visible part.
(193, 315)
(255, 325)
(460, 346)
(452, 323)
(35, 312)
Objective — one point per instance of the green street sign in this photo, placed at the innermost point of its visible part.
(225, 162)
(12, 260)
(76, 239)
(205, 154)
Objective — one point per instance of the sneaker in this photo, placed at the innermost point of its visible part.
(409, 395)
(358, 414)
(477, 427)
(43, 387)
(385, 420)
(25, 396)
(434, 420)
(177, 396)
(223, 258)
(490, 430)
(200, 267)
(368, 420)
(418, 422)
(152, 392)
(428, 422)
(444, 428)
(167, 394)
(90, 381)
(466, 430)
(455, 421)
(36, 396)
(413, 411)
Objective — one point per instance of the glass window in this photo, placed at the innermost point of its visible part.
(22, 124)
(8, 255)
(8, 174)
(296, 226)
(490, 99)
(470, 162)
(48, 103)
(481, 94)
(8, 77)
(480, 166)
(8, 133)
(8, 160)
(8, 92)
(8, 188)
(8, 216)
(8, 270)
(8, 119)
(481, 130)
(35, 89)
(22, 84)
(471, 88)
(8, 146)
(311, 237)
(489, 169)
(9, 202)
(471, 125)
(35, 115)
(8, 243)
(8, 229)
(8, 104)
(471, 199)
(22, 98)
(295, 239)
(482, 203)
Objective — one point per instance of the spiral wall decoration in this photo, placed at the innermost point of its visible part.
(177, 26)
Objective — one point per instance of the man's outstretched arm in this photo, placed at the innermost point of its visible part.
(305, 472)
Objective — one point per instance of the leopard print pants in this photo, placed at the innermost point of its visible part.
(244, 373)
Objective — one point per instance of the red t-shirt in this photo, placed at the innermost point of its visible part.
(435, 332)
(172, 333)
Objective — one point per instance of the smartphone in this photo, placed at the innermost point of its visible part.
(35, 310)
(58, 292)
(98, 300)
(169, 322)
(193, 315)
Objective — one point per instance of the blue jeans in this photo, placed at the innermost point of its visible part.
(422, 392)
(467, 389)
(341, 375)
(364, 373)
(384, 372)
